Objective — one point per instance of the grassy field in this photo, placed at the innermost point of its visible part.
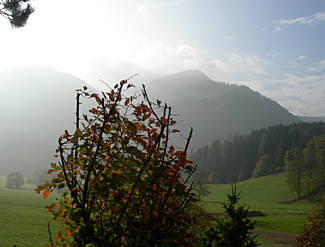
(24, 218)
(265, 194)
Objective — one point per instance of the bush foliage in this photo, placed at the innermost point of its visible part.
(127, 186)
(313, 234)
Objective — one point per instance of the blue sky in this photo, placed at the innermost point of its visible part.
(273, 46)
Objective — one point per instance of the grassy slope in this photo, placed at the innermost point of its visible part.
(23, 217)
(264, 194)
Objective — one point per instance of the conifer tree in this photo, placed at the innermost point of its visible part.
(16, 11)
(235, 230)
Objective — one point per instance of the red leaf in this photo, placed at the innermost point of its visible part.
(175, 130)
(127, 102)
(171, 149)
(46, 193)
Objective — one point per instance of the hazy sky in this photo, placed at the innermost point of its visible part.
(276, 47)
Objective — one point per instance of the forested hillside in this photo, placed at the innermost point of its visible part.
(215, 109)
(236, 158)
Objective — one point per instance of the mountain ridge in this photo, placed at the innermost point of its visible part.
(38, 104)
(216, 109)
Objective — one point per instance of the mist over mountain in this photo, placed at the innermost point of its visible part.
(307, 119)
(37, 105)
(214, 109)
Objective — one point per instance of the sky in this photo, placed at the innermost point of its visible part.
(274, 47)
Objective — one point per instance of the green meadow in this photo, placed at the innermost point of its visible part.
(24, 218)
(269, 194)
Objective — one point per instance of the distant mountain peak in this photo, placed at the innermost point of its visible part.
(189, 76)
(193, 73)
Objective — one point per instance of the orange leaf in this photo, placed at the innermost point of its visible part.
(175, 130)
(127, 102)
(163, 120)
(46, 193)
(52, 207)
(68, 234)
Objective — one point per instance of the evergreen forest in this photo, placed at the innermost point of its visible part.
(261, 153)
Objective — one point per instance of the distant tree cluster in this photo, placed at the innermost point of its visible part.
(39, 177)
(261, 153)
(306, 167)
(14, 180)
(16, 11)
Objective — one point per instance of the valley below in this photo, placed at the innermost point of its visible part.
(24, 217)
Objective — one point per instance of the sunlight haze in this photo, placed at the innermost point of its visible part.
(274, 47)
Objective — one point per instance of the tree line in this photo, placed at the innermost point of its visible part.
(261, 153)
(306, 167)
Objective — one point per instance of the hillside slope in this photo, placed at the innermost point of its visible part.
(214, 109)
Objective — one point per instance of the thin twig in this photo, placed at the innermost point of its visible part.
(49, 230)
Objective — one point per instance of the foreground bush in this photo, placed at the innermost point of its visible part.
(127, 186)
(313, 234)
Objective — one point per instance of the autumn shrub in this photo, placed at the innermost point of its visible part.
(127, 185)
(313, 233)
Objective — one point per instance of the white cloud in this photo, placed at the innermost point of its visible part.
(317, 67)
(278, 28)
(300, 58)
(322, 62)
(301, 95)
(239, 64)
(305, 20)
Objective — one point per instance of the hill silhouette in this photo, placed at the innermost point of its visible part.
(216, 110)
